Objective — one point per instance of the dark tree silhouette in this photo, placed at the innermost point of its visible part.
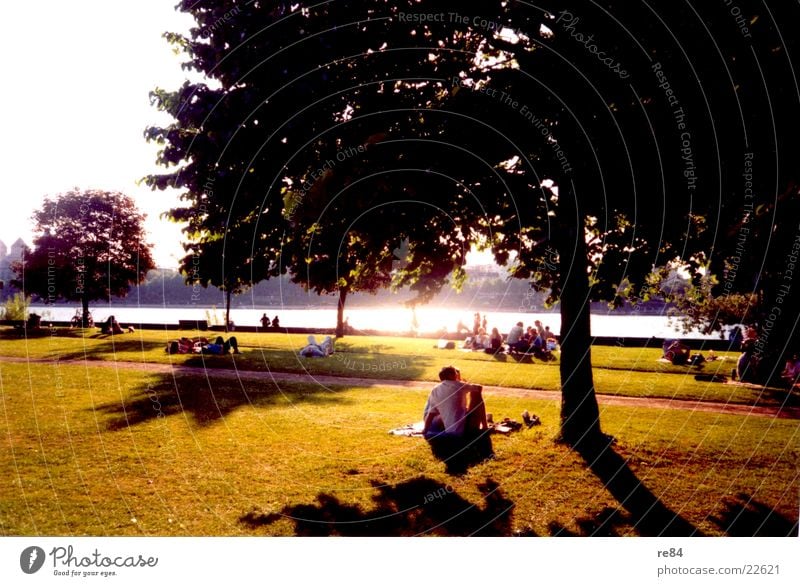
(585, 145)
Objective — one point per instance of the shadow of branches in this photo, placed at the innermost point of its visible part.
(745, 517)
(207, 400)
(415, 507)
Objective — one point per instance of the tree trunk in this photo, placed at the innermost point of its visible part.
(85, 309)
(778, 334)
(580, 416)
(340, 329)
(227, 310)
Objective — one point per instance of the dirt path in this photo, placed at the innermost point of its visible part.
(329, 380)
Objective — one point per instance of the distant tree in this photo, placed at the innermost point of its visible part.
(89, 245)
(225, 262)
(752, 278)
(16, 307)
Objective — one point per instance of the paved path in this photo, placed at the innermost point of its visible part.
(329, 380)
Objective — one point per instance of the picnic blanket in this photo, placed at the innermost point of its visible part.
(409, 430)
(505, 427)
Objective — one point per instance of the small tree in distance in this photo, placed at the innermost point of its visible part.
(89, 245)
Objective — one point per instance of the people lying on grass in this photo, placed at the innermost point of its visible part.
(186, 345)
(314, 350)
(676, 352)
(221, 346)
(454, 408)
(111, 326)
(203, 346)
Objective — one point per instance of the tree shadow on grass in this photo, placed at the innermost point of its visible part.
(784, 397)
(111, 345)
(208, 400)
(645, 512)
(745, 517)
(416, 507)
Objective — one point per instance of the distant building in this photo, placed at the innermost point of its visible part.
(8, 256)
(16, 251)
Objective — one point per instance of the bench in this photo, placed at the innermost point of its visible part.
(193, 324)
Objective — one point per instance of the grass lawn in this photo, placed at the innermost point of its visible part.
(94, 450)
(632, 372)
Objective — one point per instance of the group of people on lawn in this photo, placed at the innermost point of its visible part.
(203, 346)
(537, 340)
(747, 364)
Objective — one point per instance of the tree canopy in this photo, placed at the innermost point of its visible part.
(89, 245)
(586, 144)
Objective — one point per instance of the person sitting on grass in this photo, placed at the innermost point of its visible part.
(495, 342)
(676, 352)
(550, 339)
(747, 364)
(481, 341)
(515, 339)
(455, 420)
(111, 326)
(791, 371)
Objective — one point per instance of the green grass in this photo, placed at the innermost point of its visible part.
(93, 450)
(634, 372)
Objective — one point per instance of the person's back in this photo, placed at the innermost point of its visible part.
(448, 400)
(514, 334)
(496, 340)
(455, 421)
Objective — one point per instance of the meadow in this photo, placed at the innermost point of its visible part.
(94, 448)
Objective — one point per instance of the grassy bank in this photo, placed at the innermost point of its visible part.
(94, 450)
(634, 372)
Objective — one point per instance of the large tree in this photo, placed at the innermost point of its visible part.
(89, 245)
(581, 143)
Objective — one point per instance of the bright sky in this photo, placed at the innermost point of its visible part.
(75, 103)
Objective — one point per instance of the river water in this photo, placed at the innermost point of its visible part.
(395, 319)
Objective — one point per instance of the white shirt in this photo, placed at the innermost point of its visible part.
(448, 399)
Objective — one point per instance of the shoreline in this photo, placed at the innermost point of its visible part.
(715, 344)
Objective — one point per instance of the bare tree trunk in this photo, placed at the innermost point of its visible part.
(227, 309)
(340, 313)
(85, 309)
(580, 416)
